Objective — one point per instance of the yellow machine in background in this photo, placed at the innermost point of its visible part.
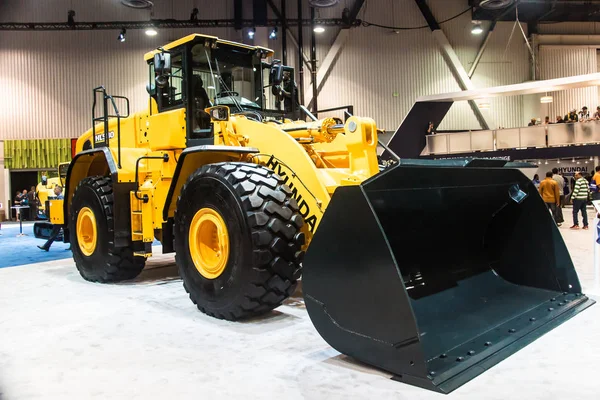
(225, 172)
(45, 189)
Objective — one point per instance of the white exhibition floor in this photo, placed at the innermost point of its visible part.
(64, 338)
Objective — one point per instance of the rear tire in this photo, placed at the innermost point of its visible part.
(103, 263)
(264, 239)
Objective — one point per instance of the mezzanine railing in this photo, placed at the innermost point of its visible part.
(553, 135)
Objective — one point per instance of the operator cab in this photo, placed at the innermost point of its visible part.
(198, 72)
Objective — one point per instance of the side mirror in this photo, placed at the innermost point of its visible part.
(219, 113)
(162, 69)
(276, 74)
(162, 63)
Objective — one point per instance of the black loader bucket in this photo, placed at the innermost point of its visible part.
(437, 270)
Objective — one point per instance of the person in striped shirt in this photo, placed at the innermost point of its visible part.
(580, 196)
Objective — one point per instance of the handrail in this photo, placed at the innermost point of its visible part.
(106, 115)
(538, 136)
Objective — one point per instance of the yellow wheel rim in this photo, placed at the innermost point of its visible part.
(87, 231)
(209, 243)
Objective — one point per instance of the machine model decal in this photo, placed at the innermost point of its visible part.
(100, 137)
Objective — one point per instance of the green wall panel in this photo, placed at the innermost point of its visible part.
(33, 154)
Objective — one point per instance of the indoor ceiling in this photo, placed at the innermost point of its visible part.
(533, 11)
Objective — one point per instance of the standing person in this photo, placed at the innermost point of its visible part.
(17, 202)
(594, 184)
(597, 113)
(584, 114)
(551, 195)
(25, 202)
(547, 120)
(566, 190)
(430, 129)
(571, 116)
(289, 92)
(561, 185)
(536, 181)
(56, 228)
(560, 181)
(33, 203)
(580, 197)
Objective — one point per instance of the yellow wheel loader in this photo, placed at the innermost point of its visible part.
(432, 270)
(45, 189)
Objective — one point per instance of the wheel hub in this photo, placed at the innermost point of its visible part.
(209, 243)
(87, 231)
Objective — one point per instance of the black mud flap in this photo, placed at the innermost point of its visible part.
(436, 272)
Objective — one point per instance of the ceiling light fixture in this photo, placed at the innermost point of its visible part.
(476, 29)
(121, 37)
(251, 33)
(151, 31)
(273, 34)
(546, 99)
(319, 29)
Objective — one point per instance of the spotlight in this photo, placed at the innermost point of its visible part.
(573, 160)
(121, 37)
(251, 33)
(319, 29)
(151, 31)
(476, 29)
(194, 15)
(71, 17)
(273, 34)
(591, 158)
(558, 161)
(546, 162)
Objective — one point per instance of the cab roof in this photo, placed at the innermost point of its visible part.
(150, 55)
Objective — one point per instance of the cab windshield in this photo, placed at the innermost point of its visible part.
(229, 77)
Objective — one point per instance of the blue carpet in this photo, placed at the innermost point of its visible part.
(15, 251)
(22, 250)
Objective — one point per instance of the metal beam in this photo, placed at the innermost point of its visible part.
(300, 55)
(157, 23)
(313, 61)
(457, 69)
(461, 76)
(482, 49)
(286, 26)
(334, 50)
(283, 35)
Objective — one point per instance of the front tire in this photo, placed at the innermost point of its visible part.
(92, 235)
(237, 240)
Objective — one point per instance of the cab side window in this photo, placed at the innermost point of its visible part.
(173, 93)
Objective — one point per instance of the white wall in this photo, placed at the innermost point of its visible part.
(47, 77)
(559, 61)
